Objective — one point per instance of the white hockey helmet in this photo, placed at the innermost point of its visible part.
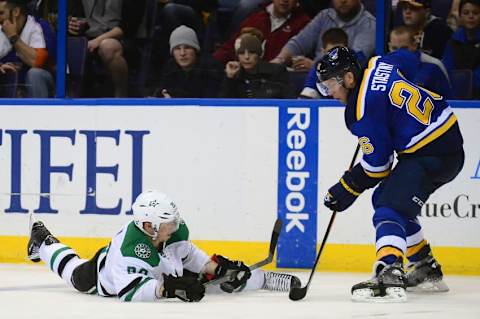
(156, 208)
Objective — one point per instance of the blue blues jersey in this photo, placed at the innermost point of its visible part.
(389, 114)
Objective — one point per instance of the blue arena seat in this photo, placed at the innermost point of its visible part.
(8, 84)
(76, 59)
(462, 84)
(297, 79)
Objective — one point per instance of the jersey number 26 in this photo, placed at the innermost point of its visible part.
(403, 93)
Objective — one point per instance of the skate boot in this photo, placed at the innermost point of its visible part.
(280, 282)
(425, 275)
(38, 235)
(387, 285)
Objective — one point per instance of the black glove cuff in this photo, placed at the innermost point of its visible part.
(358, 180)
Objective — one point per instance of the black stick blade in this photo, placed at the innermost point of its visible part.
(277, 229)
(297, 293)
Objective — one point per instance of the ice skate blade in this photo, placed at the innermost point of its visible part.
(393, 295)
(429, 287)
(34, 257)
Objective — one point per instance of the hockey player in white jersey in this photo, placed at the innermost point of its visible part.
(150, 258)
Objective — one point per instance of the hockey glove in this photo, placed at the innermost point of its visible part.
(188, 289)
(227, 267)
(342, 195)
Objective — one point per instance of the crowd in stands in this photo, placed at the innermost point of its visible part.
(231, 48)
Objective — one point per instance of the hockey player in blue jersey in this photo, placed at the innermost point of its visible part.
(389, 115)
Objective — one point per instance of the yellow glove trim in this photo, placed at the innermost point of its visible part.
(348, 188)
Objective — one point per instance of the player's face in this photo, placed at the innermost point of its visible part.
(166, 230)
(470, 16)
(334, 87)
(248, 60)
(184, 55)
(412, 15)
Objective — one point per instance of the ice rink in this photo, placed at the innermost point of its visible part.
(31, 291)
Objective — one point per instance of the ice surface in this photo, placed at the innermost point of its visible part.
(31, 291)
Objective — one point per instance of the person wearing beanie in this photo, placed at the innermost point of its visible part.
(188, 74)
(183, 35)
(250, 77)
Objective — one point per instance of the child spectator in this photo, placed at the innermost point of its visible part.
(463, 49)
(250, 77)
(188, 74)
(278, 22)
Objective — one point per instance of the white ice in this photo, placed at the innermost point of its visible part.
(31, 291)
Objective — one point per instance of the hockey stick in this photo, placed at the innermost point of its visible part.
(277, 228)
(299, 293)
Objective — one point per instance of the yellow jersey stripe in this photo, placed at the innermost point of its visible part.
(377, 174)
(363, 87)
(432, 136)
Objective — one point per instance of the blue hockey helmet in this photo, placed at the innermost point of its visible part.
(338, 61)
(332, 67)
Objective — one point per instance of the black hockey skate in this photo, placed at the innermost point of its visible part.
(38, 235)
(280, 282)
(425, 276)
(387, 285)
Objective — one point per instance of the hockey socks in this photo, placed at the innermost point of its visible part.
(390, 229)
(61, 259)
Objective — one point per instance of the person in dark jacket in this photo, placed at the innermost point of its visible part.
(463, 49)
(432, 32)
(188, 74)
(250, 77)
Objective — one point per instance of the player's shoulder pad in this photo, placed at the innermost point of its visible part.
(181, 234)
(137, 245)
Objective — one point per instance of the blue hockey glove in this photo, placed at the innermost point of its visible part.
(342, 195)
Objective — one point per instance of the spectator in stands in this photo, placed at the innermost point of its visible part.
(107, 27)
(191, 13)
(350, 15)
(331, 38)
(463, 49)
(250, 77)
(417, 66)
(278, 22)
(23, 48)
(453, 16)
(240, 10)
(432, 33)
(189, 74)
